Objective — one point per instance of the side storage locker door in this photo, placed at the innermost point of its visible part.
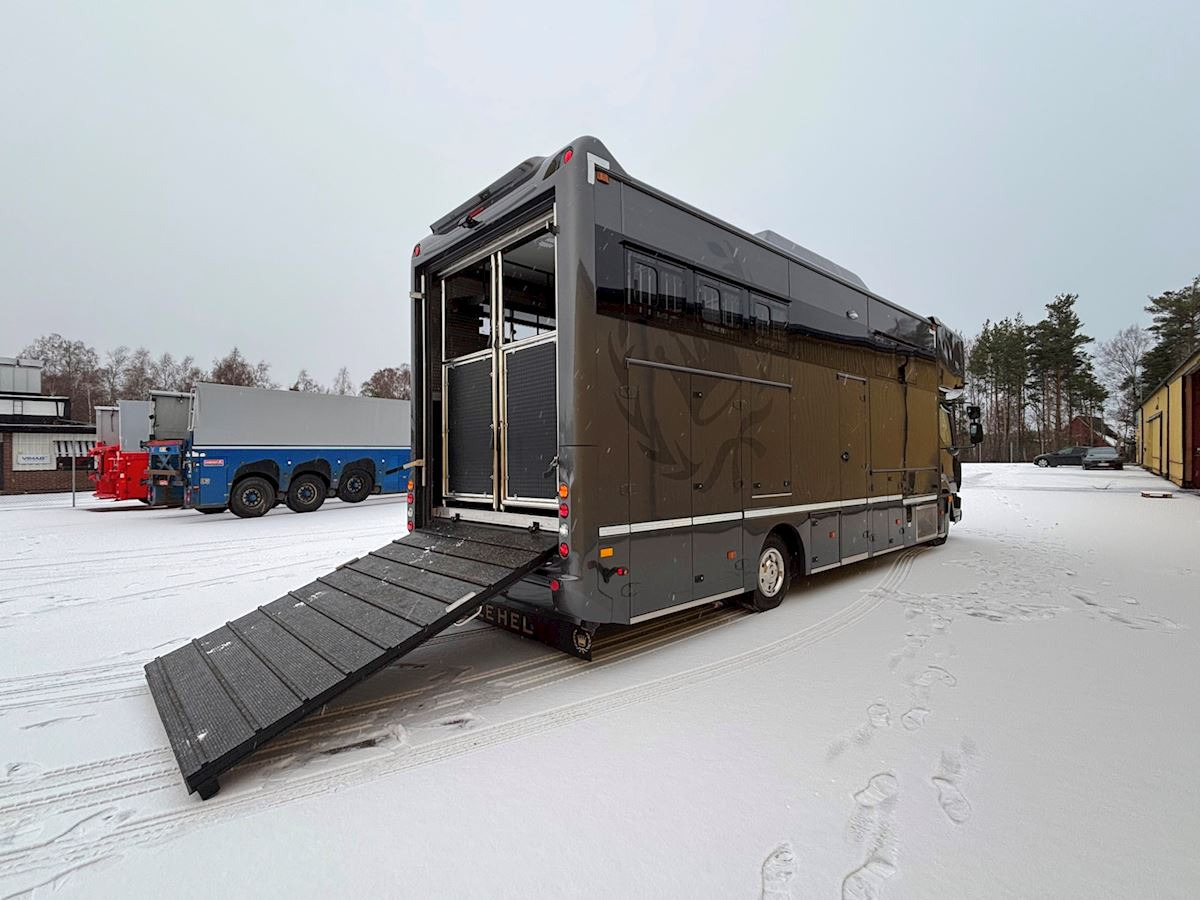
(769, 441)
(716, 414)
(852, 432)
(661, 475)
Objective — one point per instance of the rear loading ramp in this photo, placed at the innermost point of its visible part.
(224, 694)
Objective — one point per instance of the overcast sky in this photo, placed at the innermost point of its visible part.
(194, 176)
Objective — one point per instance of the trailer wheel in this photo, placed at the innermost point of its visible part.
(306, 493)
(252, 497)
(355, 486)
(773, 575)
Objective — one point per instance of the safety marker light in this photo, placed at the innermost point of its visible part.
(416, 251)
(555, 584)
(606, 552)
(410, 497)
(732, 554)
(567, 154)
(621, 570)
(563, 491)
(563, 510)
(602, 177)
(410, 483)
(563, 550)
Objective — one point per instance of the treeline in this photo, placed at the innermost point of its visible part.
(1046, 384)
(75, 370)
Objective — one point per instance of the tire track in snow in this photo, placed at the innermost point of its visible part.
(71, 851)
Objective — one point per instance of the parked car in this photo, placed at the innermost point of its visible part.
(1103, 457)
(1067, 456)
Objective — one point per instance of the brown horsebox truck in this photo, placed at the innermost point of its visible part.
(622, 407)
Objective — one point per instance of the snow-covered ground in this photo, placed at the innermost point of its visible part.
(1013, 714)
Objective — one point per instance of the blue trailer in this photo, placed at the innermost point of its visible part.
(250, 448)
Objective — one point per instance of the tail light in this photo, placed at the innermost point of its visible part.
(555, 584)
(563, 510)
(563, 550)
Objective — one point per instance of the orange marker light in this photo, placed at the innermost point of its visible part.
(563, 491)
(606, 552)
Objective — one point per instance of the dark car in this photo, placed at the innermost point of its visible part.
(1103, 457)
(1067, 456)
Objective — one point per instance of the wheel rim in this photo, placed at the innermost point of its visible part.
(771, 569)
(307, 493)
(355, 484)
(251, 497)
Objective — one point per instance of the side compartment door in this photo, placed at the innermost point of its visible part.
(661, 475)
(770, 442)
(852, 436)
(716, 420)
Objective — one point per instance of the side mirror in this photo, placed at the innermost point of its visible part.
(975, 430)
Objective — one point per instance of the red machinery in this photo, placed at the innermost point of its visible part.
(119, 475)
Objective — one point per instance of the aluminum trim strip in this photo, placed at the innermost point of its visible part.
(716, 517)
(857, 557)
(492, 517)
(659, 525)
(924, 498)
(613, 530)
(824, 568)
(788, 510)
(770, 496)
(682, 606)
(631, 361)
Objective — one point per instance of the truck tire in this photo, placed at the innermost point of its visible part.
(306, 493)
(355, 486)
(251, 497)
(773, 576)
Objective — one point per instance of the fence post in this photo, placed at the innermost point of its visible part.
(72, 481)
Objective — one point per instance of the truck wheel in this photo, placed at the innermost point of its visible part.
(773, 578)
(306, 493)
(252, 497)
(355, 486)
(209, 510)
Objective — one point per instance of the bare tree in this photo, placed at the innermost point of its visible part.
(72, 370)
(139, 377)
(1122, 365)
(305, 382)
(342, 384)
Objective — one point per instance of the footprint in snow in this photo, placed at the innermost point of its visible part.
(951, 800)
(935, 674)
(914, 718)
(866, 882)
(779, 869)
(880, 788)
(879, 715)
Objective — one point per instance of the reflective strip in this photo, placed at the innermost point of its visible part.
(888, 499)
(924, 498)
(613, 530)
(824, 568)
(787, 510)
(670, 609)
(769, 496)
(858, 557)
(660, 525)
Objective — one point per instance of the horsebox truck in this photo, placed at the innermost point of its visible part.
(623, 407)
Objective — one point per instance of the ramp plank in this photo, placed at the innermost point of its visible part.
(474, 571)
(429, 583)
(306, 672)
(516, 539)
(226, 693)
(345, 649)
(217, 723)
(416, 608)
(369, 622)
(258, 690)
(489, 553)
